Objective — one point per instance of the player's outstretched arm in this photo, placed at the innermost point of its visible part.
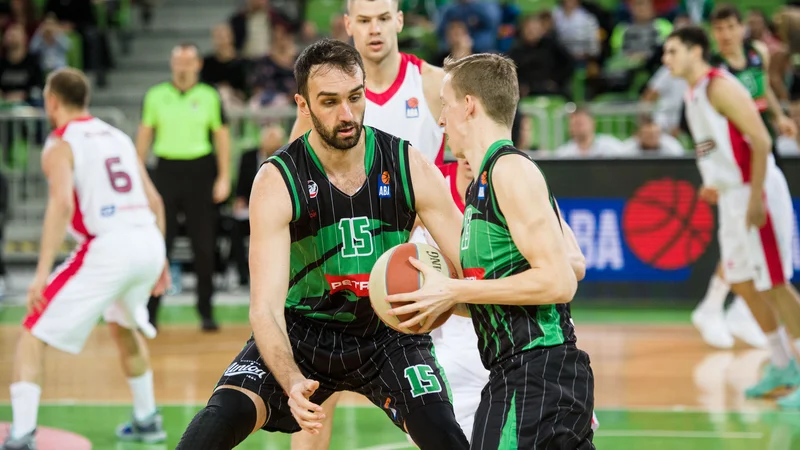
(574, 253)
(270, 216)
(58, 169)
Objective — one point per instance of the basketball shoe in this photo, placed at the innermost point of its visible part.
(791, 401)
(774, 379)
(742, 325)
(712, 328)
(148, 431)
(27, 442)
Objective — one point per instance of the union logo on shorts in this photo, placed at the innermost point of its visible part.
(312, 189)
(412, 108)
(383, 185)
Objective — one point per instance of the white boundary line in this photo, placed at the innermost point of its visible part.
(680, 434)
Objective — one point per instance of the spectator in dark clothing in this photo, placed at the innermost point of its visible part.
(272, 82)
(79, 16)
(482, 19)
(509, 17)
(458, 42)
(252, 28)
(272, 138)
(21, 12)
(544, 65)
(51, 45)
(224, 70)
(21, 79)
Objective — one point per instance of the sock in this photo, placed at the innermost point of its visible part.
(780, 350)
(716, 294)
(144, 400)
(25, 407)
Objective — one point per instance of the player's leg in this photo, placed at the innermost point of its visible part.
(322, 440)
(709, 318)
(413, 391)
(742, 325)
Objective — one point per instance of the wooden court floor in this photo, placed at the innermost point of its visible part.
(657, 382)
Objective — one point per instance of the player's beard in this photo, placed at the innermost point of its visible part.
(331, 136)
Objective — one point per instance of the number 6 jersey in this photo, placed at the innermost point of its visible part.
(109, 194)
(336, 238)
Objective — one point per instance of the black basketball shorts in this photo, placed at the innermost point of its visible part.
(541, 399)
(397, 372)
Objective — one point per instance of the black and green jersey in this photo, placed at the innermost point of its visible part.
(336, 238)
(754, 78)
(488, 252)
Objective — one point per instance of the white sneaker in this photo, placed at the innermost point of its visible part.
(712, 328)
(743, 325)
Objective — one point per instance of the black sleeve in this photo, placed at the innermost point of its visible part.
(244, 183)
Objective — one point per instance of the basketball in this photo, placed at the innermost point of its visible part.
(394, 274)
(666, 225)
(385, 177)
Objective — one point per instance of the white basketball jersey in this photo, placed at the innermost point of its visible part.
(723, 153)
(403, 111)
(109, 193)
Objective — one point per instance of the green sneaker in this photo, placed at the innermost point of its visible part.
(791, 401)
(774, 379)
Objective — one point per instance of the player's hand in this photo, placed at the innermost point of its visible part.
(434, 299)
(308, 415)
(222, 189)
(756, 212)
(708, 194)
(787, 127)
(36, 300)
(164, 281)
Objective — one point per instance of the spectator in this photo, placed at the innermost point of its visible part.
(21, 78)
(272, 80)
(338, 29)
(21, 12)
(482, 19)
(458, 41)
(79, 16)
(584, 139)
(544, 66)
(650, 140)
(665, 9)
(273, 137)
(51, 44)
(759, 28)
(667, 93)
(252, 28)
(786, 145)
(509, 17)
(224, 70)
(577, 29)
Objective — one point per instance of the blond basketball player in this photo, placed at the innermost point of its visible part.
(755, 209)
(101, 192)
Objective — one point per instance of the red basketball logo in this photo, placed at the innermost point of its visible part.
(412, 102)
(666, 225)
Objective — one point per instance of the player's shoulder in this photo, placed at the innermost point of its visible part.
(514, 166)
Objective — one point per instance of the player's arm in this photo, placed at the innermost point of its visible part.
(144, 136)
(777, 69)
(153, 199)
(432, 77)
(57, 168)
(574, 253)
(785, 124)
(301, 125)
(222, 147)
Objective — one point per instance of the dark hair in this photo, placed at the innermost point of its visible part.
(725, 11)
(326, 52)
(692, 36)
(71, 86)
(490, 77)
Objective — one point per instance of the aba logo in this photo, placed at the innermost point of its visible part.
(312, 189)
(412, 108)
(704, 148)
(666, 225)
(482, 186)
(754, 58)
(383, 185)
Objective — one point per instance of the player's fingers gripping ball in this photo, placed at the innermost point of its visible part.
(394, 274)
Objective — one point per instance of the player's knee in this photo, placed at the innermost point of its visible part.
(228, 418)
(434, 426)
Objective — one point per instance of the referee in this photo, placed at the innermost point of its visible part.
(188, 122)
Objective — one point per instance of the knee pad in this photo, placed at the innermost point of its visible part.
(228, 418)
(434, 427)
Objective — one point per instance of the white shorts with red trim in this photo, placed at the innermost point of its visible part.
(761, 255)
(107, 276)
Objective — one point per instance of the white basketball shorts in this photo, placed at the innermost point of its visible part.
(107, 276)
(761, 255)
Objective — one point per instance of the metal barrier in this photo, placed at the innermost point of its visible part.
(613, 118)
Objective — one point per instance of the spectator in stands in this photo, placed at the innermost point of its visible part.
(79, 16)
(651, 140)
(584, 139)
(252, 28)
(459, 43)
(21, 79)
(20, 12)
(698, 11)
(224, 69)
(482, 19)
(760, 28)
(51, 44)
(666, 93)
(544, 66)
(338, 29)
(786, 145)
(273, 137)
(577, 29)
(272, 76)
(509, 17)
(665, 9)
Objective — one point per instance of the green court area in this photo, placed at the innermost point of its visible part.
(363, 428)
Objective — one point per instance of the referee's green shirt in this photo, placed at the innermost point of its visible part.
(183, 121)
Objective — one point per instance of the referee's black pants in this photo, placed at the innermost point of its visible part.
(187, 186)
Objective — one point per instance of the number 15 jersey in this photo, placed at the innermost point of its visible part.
(109, 193)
